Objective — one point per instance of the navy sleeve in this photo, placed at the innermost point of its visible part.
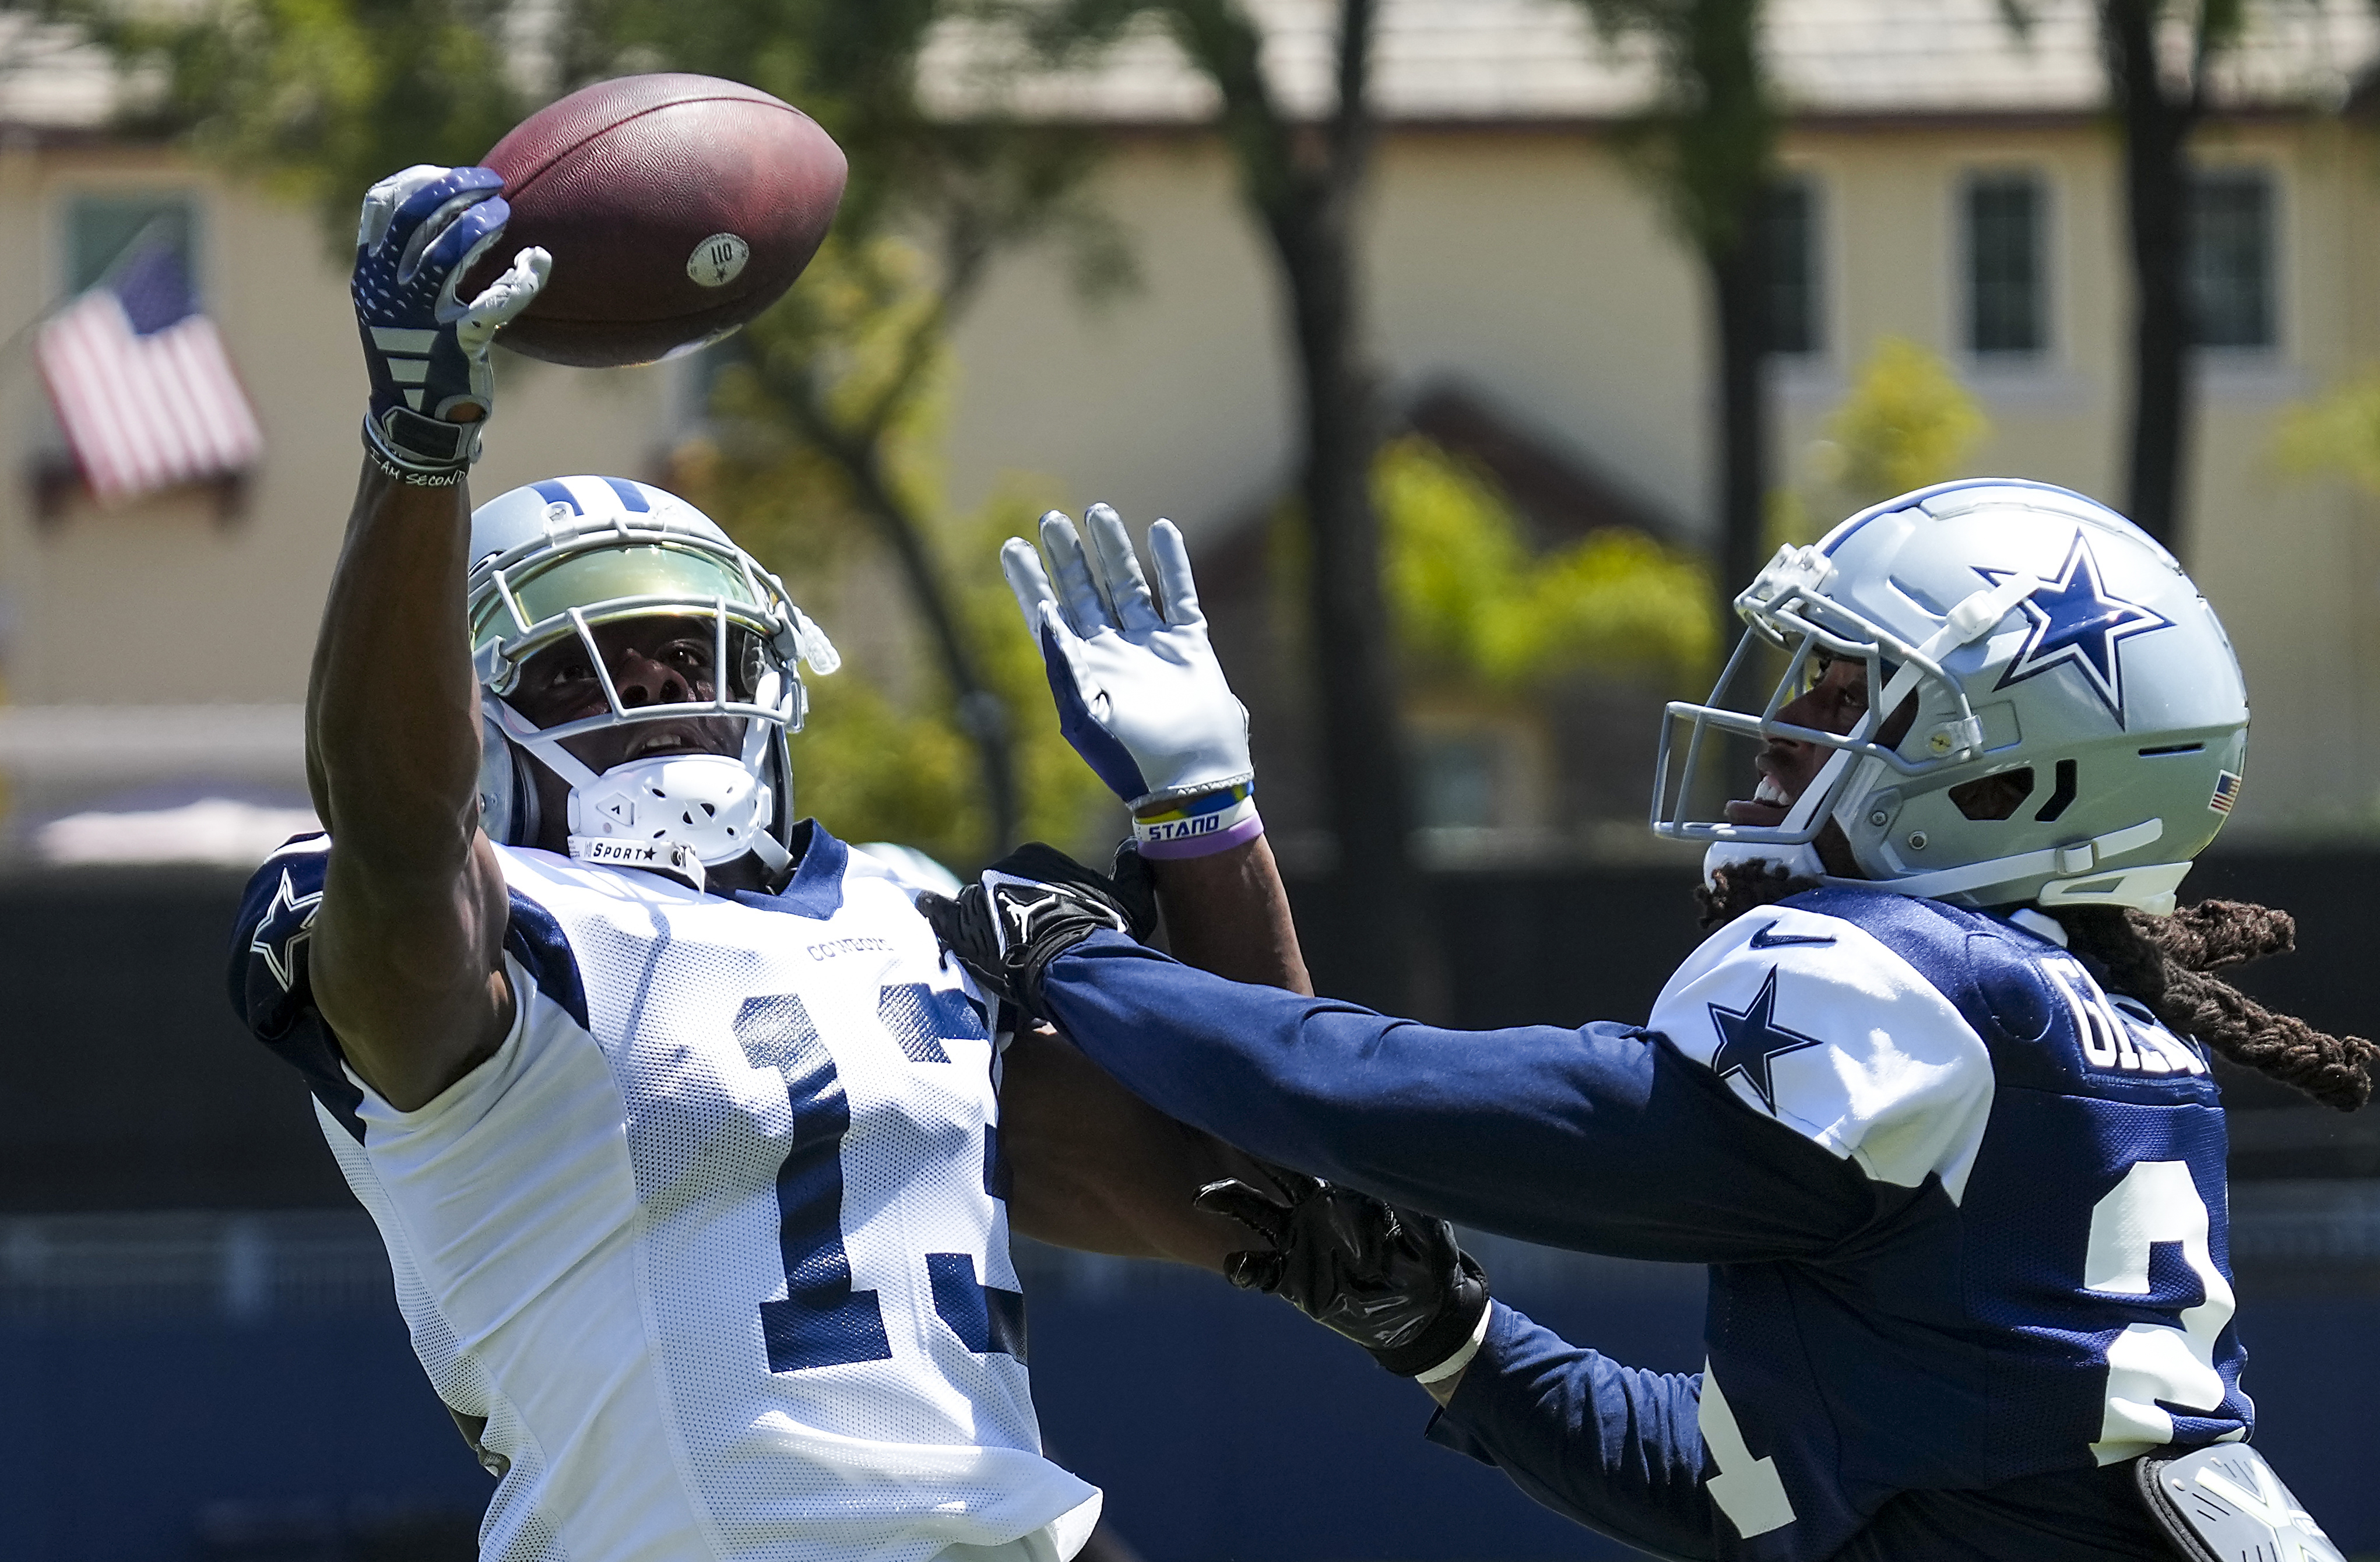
(269, 985)
(1602, 1139)
(1616, 1448)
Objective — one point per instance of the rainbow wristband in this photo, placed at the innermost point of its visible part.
(1201, 827)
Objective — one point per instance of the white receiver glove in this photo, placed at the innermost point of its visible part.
(1140, 697)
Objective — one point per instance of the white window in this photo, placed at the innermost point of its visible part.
(104, 229)
(2231, 266)
(2007, 254)
(1796, 274)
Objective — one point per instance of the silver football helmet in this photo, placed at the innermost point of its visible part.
(560, 558)
(2044, 640)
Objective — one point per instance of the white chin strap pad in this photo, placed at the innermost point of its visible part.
(708, 803)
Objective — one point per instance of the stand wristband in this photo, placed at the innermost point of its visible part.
(1199, 827)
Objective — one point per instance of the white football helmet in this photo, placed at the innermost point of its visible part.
(2044, 639)
(559, 557)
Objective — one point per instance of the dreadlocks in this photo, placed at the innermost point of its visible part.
(1742, 887)
(2167, 964)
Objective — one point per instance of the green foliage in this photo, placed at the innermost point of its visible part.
(1906, 422)
(1473, 604)
(2338, 433)
(829, 425)
(1708, 142)
(874, 767)
(319, 98)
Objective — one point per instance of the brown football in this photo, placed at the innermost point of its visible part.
(676, 208)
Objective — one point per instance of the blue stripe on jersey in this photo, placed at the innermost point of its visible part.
(535, 939)
(816, 890)
(984, 1317)
(998, 1178)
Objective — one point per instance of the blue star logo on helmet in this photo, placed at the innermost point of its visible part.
(2076, 622)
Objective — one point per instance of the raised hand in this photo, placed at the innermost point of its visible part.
(427, 350)
(1140, 692)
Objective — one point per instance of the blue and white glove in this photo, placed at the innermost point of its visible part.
(1140, 695)
(427, 350)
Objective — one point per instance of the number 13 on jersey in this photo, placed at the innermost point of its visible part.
(823, 1321)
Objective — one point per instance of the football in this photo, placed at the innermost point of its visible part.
(675, 207)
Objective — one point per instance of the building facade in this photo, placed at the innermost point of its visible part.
(1950, 183)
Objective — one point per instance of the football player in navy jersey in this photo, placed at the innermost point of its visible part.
(695, 1159)
(1932, 1100)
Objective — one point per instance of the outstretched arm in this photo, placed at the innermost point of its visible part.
(1603, 1138)
(405, 961)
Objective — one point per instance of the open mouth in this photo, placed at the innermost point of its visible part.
(1766, 808)
(662, 739)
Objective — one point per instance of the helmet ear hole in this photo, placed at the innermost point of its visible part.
(508, 805)
(1993, 798)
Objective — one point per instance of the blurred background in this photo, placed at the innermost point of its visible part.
(1481, 348)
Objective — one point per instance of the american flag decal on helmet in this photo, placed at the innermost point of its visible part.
(2226, 792)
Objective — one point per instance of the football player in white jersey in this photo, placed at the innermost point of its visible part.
(692, 1154)
(1932, 1101)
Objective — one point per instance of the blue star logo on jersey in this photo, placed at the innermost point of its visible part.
(2075, 623)
(1751, 1039)
(289, 922)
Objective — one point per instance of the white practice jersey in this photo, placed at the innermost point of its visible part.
(716, 1241)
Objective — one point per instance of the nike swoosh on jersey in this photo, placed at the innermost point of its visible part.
(1767, 937)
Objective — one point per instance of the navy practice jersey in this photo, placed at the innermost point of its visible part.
(716, 1241)
(1964, 1213)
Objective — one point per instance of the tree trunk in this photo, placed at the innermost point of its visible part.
(1738, 276)
(2156, 194)
(1304, 180)
(1364, 754)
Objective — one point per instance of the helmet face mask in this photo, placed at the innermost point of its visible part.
(2076, 723)
(559, 561)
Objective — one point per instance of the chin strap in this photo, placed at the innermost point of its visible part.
(657, 856)
(676, 859)
(2149, 887)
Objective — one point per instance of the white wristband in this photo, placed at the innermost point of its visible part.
(1462, 1358)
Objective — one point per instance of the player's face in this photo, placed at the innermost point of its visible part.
(1834, 702)
(652, 661)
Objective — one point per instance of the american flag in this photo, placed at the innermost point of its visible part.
(140, 383)
(2226, 792)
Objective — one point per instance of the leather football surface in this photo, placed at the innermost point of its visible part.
(676, 206)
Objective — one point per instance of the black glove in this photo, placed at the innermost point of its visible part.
(1032, 906)
(1392, 1281)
